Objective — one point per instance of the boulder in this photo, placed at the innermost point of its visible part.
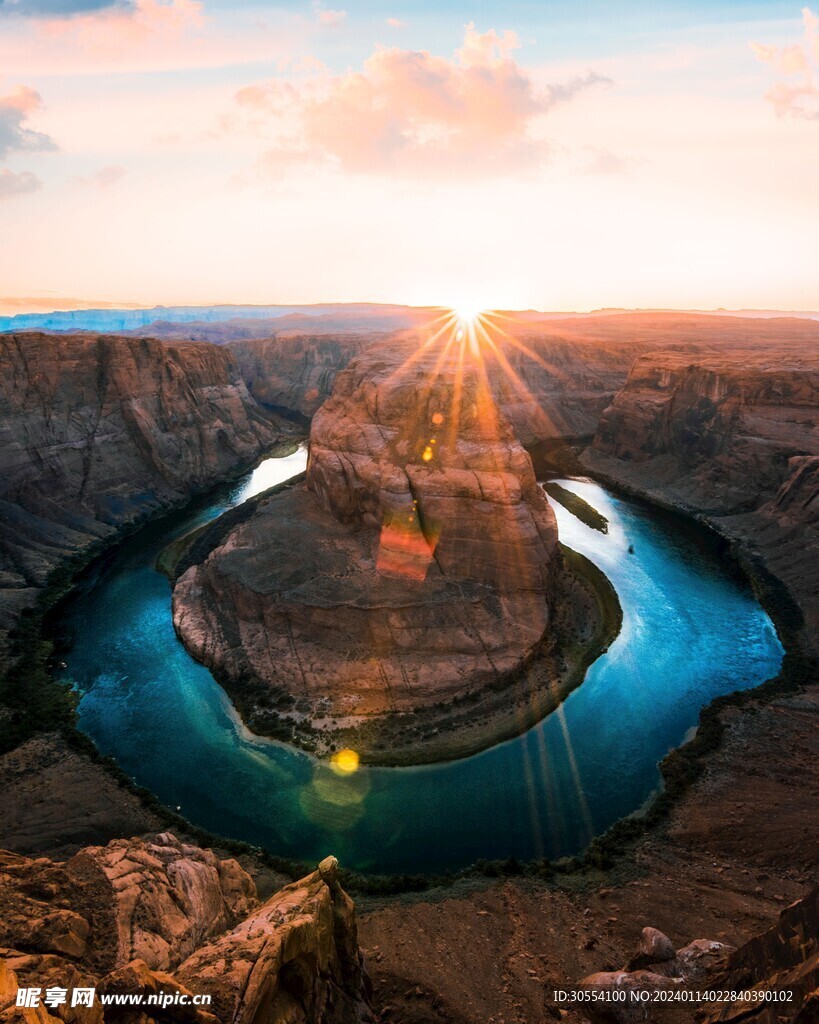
(619, 995)
(655, 947)
(699, 960)
(167, 896)
(294, 959)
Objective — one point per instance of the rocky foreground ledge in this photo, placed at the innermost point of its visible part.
(152, 923)
(142, 917)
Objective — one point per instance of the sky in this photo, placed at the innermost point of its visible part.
(515, 154)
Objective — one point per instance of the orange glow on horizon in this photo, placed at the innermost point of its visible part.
(467, 314)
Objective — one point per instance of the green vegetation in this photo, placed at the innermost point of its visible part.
(610, 611)
(578, 506)
(31, 699)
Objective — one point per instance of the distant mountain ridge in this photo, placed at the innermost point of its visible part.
(396, 315)
(107, 320)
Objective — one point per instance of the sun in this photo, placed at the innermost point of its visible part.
(467, 314)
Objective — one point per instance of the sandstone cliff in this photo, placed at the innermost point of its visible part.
(295, 373)
(96, 432)
(144, 917)
(719, 433)
(557, 387)
(553, 378)
(733, 440)
(415, 568)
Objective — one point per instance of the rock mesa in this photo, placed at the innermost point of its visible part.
(414, 568)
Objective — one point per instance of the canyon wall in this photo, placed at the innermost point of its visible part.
(548, 386)
(552, 377)
(97, 432)
(733, 440)
(295, 373)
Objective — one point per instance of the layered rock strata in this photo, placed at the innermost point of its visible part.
(296, 373)
(785, 958)
(415, 567)
(97, 432)
(564, 372)
(149, 918)
(557, 387)
(734, 441)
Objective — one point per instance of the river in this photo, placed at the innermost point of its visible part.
(692, 630)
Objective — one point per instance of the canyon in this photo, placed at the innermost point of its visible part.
(715, 416)
(414, 571)
(97, 433)
(734, 442)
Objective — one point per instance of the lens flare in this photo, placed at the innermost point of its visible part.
(345, 762)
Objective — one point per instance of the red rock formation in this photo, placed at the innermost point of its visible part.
(719, 433)
(784, 958)
(415, 568)
(425, 454)
(735, 440)
(167, 896)
(131, 911)
(296, 373)
(295, 959)
(97, 431)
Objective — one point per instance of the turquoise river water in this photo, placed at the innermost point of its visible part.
(692, 630)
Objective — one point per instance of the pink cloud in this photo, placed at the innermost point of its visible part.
(327, 17)
(412, 112)
(147, 35)
(798, 96)
(396, 23)
(123, 29)
(15, 110)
